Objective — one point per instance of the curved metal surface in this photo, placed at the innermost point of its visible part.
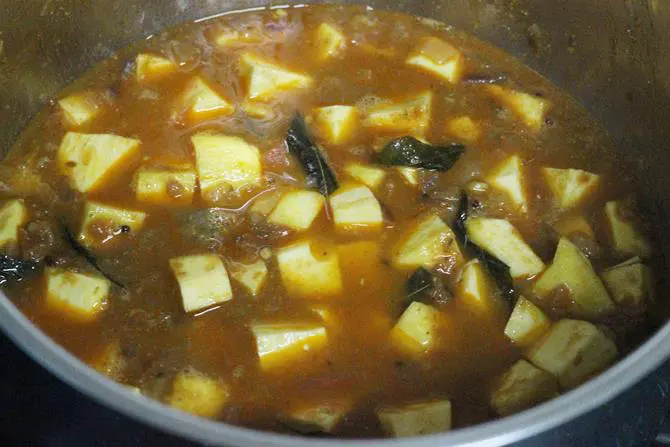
(610, 55)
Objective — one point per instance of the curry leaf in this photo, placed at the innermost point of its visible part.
(86, 254)
(313, 162)
(408, 151)
(496, 268)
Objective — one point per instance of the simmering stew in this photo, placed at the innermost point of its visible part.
(326, 220)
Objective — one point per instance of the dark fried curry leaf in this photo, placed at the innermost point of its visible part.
(424, 286)
(86, 254)
(408, 151)
(319, 174)
(496, 268)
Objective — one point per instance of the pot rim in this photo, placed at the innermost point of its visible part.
(45, 351)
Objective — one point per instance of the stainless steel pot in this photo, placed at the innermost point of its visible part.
(612, 55)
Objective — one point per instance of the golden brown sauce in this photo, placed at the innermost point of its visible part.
(158, 339)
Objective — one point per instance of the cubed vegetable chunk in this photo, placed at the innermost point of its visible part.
(167, 187)
(13, 215)
(150, 67)
(570, 269)
(354, 207)
(499, 238)
(411, 115)
(336, 124)
(570, 186)
(439, 58)
(570, 225)
(329, 41)
(416, 332)
(321, 417)
(297, 210)
(509, 178)
(102, 223)
(198, 394)
(416, 419)
(465, 129)
(251, 276)
(229, 37)
(81, 108)
(92, 160)
(630, 283)
(111, 362)
(200, 102)
(428, 242)
(310, 269)
(522, 387)
(573, 351)
(530, 108)
(280, 345)
(626, 238)
(266, 203)
(203, 281)
(265, 80)
(225, 164)
(475, 288)
(526, 324)
(411, 176)
(77, 295)
(368, 175)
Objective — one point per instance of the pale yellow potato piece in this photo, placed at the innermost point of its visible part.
(521, 387)
(439, 58)
(509, 178)
(92, 160)
(112, 218)
(526, 324)
(13, 215)
(252, 276)
(574, 224)
(428, 241)
(531, 109)
(354, 207)
(150, 67)
(626, 238)
(225, 163)
(167, 187)
(266, 202)
(77, 296)
(573, 351)
(411, 176)
(368, 175)
(500, 239)
(630, 283)
(571, 269)
(416, 419)
(320, 417)
(111, 362)
(203, 281)
(336, 124)
(570, 186)
(416, 332)
(198, 394)
(281, 345)
(297, 210)
(81, 108)
(475, 288)
(329, 41)
(200, 102)
(465, 129)
(405, 115)
(310, 270)
(266, 80)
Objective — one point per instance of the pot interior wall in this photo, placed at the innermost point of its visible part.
(612, 56)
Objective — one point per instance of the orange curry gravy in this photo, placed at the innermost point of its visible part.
(145, 317)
